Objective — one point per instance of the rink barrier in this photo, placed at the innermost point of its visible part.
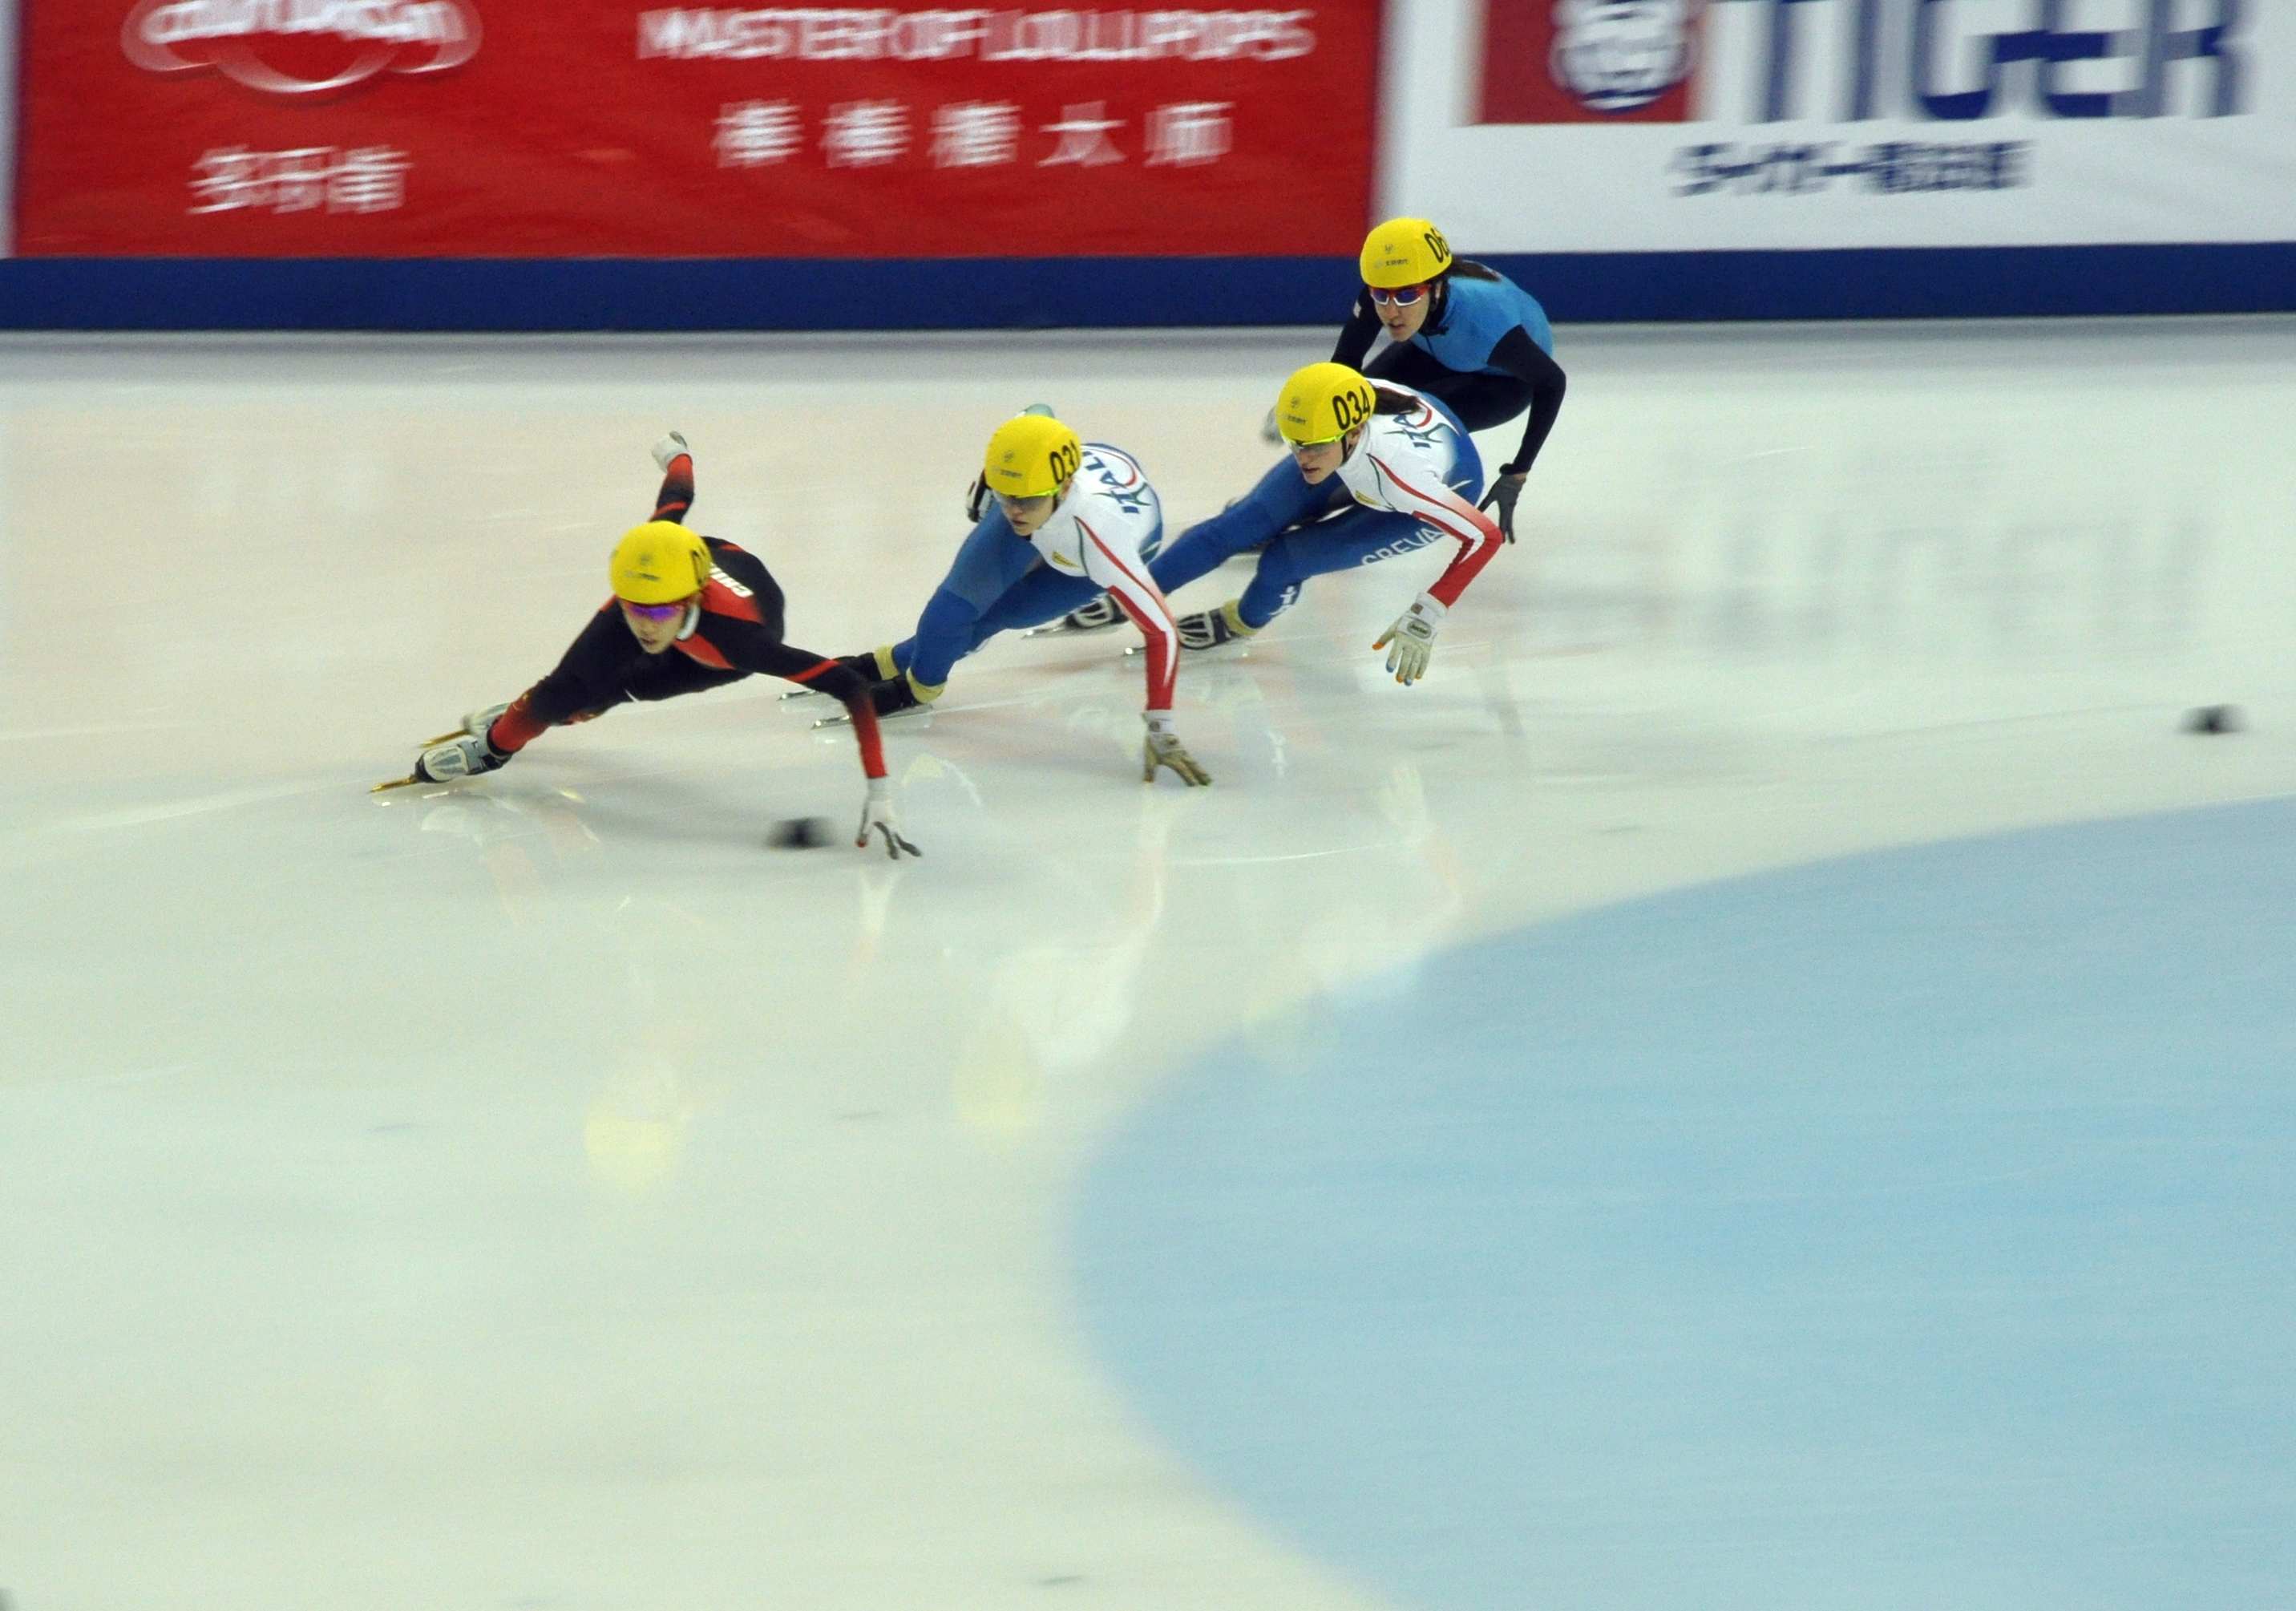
(477, 294)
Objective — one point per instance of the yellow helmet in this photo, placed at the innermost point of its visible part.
(1404, 251)
(659, 563)
(1029, 456)
(1322, 403)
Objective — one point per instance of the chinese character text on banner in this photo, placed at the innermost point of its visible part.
(485, 127)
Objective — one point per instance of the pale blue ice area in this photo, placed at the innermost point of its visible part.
(1916, 1229)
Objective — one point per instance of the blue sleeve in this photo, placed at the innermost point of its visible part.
(1533, 322)
(1517, 354)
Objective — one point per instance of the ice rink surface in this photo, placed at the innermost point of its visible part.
(1762, 1082)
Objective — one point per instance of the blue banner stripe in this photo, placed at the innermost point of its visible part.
(944, 293)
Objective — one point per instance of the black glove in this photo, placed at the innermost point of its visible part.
(1504, 490)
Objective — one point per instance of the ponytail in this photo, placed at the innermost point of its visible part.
(1390, 401)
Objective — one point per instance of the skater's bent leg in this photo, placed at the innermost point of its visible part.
(1042, 595)
(946, 634)
(587, 679)
(1360, 537)
(1281, 496)
(1480, 402)
(992, 559)
(1407, 364)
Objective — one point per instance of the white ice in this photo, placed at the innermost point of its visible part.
(540, 1193)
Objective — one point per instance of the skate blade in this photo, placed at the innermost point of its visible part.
(788, 694)
(844, 719)
(447, 736)
(1233, 643)
(395, 782)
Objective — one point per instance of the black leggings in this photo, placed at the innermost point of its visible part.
(1480, 400)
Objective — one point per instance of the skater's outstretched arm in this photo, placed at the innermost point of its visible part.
(1408, 490)
(1116, 567)
(676, 494)
(1356, 335)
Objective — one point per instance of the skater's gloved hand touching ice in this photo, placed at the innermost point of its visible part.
(877, 818)
(1163, 748)
(1413, 636)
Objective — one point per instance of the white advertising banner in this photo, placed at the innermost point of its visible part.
(1624, 126)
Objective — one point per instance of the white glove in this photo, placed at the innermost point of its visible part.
(1412, 634)
(669, 447)
(877, 817)
(1163, 748)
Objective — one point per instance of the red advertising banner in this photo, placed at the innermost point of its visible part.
(578, 127)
